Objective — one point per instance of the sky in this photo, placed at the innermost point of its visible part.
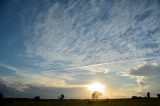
(53, 47)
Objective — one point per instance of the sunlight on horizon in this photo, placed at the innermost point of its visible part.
(96, 87)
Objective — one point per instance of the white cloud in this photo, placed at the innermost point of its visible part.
(146, 70)
(146, 76)
(141, 81)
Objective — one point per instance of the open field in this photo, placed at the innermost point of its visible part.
(109, 102)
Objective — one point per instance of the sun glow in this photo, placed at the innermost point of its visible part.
(96, 87)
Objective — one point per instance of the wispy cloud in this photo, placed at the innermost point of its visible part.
(69, 44)
(98, 33)
(29, 78)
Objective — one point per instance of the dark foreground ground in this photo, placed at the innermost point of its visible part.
(107, 102)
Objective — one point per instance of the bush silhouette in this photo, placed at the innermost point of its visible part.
(61, 97)
(158, 95)
(134, 97)
(37, 97)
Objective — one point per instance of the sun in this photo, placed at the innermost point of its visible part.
(96, 87)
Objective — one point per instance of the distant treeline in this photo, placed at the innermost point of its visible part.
(146, 97)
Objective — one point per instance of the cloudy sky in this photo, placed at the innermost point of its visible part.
(53, 47)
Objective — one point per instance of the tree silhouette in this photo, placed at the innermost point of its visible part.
(1, 95)
(61, 97)
(37, 97)
(158, 95)
(96, 94)
(148, 94)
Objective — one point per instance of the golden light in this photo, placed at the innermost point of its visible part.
(96, 87)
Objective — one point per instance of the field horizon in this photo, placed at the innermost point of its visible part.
(80, 102)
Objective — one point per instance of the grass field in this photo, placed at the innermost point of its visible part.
(109, 102)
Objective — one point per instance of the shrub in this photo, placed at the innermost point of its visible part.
(37, 97)
(134, 97)
(61, 97)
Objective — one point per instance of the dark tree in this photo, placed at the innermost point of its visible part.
(158, 95)
(37, 97)
(61, 97)
(1, 96)
(96, 94)
(148, 95)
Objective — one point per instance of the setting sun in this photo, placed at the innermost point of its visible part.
(96, 87)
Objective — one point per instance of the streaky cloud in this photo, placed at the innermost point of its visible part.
(115, 62)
